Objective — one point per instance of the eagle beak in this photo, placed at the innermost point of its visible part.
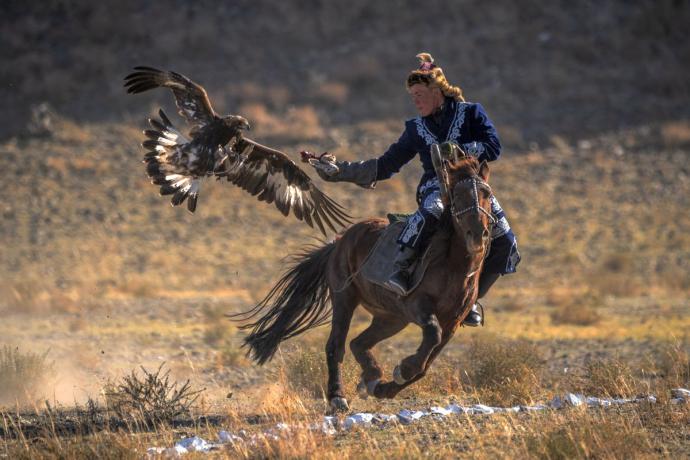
(245, 125)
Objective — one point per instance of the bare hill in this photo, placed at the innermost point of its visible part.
(563, 68)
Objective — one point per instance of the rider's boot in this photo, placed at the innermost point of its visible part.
(486, 280)
(400, 279)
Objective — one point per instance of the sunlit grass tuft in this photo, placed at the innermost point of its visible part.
(504, 372)
(23, 375)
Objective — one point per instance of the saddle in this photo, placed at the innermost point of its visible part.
(378, 266)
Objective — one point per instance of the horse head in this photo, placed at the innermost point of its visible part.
(469, 196)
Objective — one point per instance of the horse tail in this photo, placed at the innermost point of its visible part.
(298, 302)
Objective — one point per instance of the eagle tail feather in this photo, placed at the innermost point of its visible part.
(163, 142)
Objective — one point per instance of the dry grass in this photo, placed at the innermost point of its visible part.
(591, 436)
(582, 315)
(627, 432)
(578, 309)
(24, 376)
(504, 372)
(306, 373)
(610, 377)
(673, 363)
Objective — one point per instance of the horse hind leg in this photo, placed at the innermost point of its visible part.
(380, 329)
(344, 305)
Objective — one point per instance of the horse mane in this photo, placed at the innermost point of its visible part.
(464, 164)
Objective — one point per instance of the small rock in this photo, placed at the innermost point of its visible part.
(681, 393)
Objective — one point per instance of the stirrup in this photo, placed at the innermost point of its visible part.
(481, 315)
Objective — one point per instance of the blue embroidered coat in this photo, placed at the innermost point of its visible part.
(465, 123)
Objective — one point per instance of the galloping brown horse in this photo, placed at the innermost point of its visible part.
(438, 305)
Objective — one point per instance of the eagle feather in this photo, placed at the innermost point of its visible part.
(216, 147)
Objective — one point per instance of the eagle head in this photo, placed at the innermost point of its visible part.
(236, 123)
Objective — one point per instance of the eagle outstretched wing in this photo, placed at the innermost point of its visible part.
(192, 101)
(177, 163)
(265, 173)
(272, 177)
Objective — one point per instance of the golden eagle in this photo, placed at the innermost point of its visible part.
(216, 147)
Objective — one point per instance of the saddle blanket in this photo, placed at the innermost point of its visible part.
(378, 266)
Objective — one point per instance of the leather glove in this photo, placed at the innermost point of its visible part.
(362, 173)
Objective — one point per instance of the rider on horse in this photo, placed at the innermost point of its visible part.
(444, 117)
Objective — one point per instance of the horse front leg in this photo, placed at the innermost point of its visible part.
(380, 329)
(343, 308)
(391, 389)
(416, 363)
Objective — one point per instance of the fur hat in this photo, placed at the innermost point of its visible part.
(430, 74)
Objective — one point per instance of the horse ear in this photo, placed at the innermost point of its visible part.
(484, 171)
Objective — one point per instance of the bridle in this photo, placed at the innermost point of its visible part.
(475, 195)
(441, 167)
(456, 213)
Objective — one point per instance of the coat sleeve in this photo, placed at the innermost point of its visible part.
(485, 145)
(397, 155)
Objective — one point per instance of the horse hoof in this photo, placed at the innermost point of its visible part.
(371, 386)
(362, 389)
(339, 404)
(397, 376)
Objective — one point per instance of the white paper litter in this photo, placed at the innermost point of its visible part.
(228, 438)
(482, 409)
(194, 444)
(330, 425)
(357, 419)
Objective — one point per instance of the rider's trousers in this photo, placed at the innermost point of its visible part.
(503, 256)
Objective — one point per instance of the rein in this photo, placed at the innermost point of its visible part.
(475, 195)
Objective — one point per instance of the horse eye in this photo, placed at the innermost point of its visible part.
(485, 190)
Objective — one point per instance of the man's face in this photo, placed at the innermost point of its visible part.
(426, 99)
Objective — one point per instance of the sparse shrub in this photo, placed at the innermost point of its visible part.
(674, 364)
(24, 294)
(442, 379)
(22, 375)
(575, 308)
(307, 372)
(618, 262)
(216, 333)
(232, 355)
(623, 284)
(577, 315)
(333, 92)
(607, 377)
(139, 287)
(150, 399)
(297, 123)
(675, 133)
(213, 313)
(513, 305)
(504, 372)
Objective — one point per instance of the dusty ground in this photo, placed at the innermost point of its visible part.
(143, 284)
